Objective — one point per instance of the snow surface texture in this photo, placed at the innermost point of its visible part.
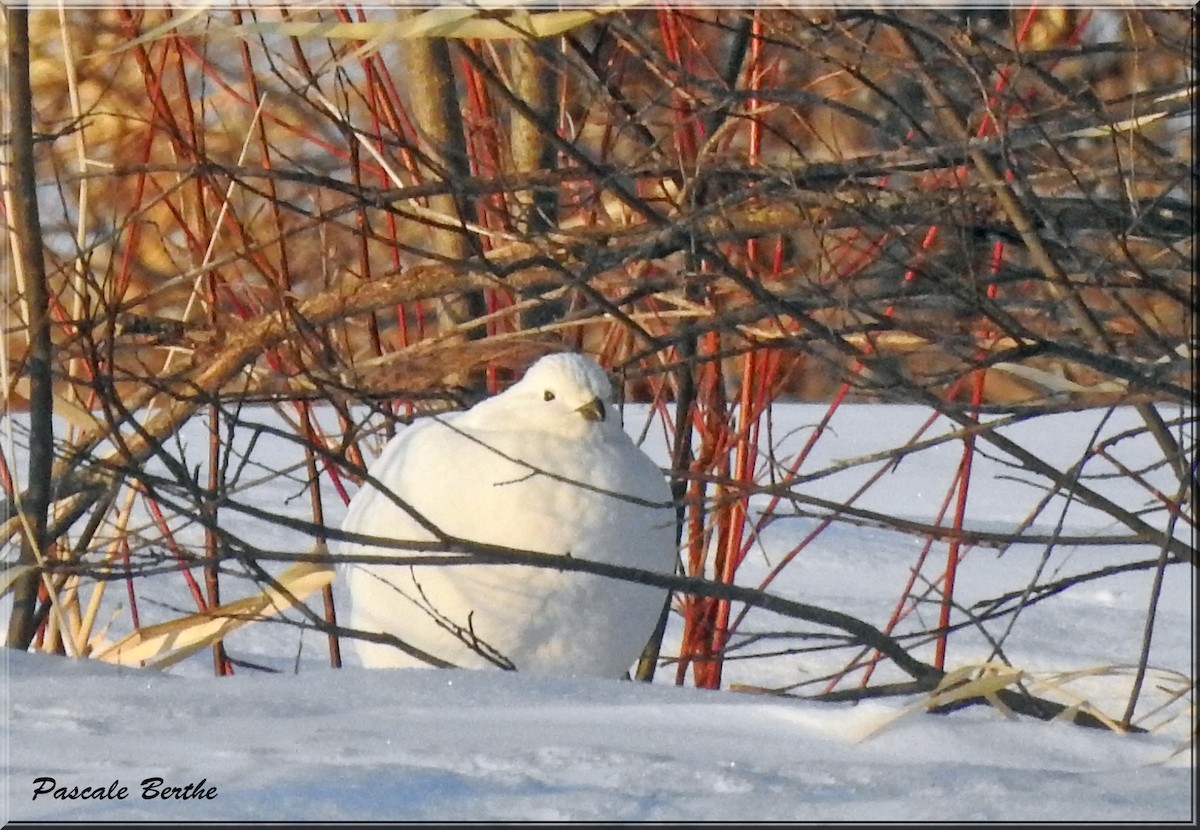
(415, 744)
(544, 466)
(314, 743)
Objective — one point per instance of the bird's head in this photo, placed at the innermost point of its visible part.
(566, 393)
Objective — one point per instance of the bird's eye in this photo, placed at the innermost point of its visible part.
(548, 395)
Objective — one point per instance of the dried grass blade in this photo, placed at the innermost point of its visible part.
(162, 645)
(10, 575)
(158, 32)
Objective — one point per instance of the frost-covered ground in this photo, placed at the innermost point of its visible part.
(314, 743)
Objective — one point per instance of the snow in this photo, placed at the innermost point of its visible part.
(313, 743)
(414, 744)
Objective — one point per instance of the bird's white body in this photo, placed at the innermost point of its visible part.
(545, 467)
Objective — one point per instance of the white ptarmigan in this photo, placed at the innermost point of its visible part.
(544, 466)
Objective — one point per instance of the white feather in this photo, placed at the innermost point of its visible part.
(508, 472)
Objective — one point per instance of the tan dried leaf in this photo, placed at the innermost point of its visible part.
(162, 645)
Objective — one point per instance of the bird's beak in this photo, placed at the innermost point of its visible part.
(593, 410)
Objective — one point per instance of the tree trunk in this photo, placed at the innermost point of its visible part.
(27, 248)
(433, 99)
